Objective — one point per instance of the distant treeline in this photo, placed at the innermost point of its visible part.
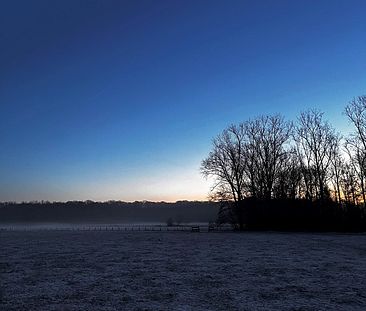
(108, 212)
(271, 173)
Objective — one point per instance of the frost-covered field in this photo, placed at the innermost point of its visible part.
(75, 270)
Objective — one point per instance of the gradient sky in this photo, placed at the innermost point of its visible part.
(120, 99)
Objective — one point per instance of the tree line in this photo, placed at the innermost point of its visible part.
(110, 212)
(270, 164)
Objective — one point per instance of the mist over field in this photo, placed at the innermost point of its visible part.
(112, 212)
(250, 115)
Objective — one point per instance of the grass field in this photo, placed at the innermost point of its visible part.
(68, 270)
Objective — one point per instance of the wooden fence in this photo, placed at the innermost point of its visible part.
(151, 228)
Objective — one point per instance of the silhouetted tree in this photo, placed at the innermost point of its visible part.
(315, 142)
(265, 153)
(356, 113)
(226, 164)
(348, 182)
(357, 162)
(265, 179)
(246, 161)
(336, 165)
(289, 182)
(356, 142)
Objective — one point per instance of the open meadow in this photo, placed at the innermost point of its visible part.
(91, 270)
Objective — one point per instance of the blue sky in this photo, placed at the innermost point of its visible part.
(120, 99)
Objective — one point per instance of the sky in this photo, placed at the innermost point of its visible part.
(120, 100)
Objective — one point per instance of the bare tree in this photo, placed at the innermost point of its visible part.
(357, 161)
(356, 143)
(356, 113)
(336, 165)
(246, 160)
(268, 164)
(348, 182)
(266, 137)
(314, 138)
(289, 182)
(226, 164)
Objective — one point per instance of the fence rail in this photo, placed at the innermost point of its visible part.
(151, 228)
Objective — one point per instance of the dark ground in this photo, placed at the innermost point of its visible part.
(66, 270)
